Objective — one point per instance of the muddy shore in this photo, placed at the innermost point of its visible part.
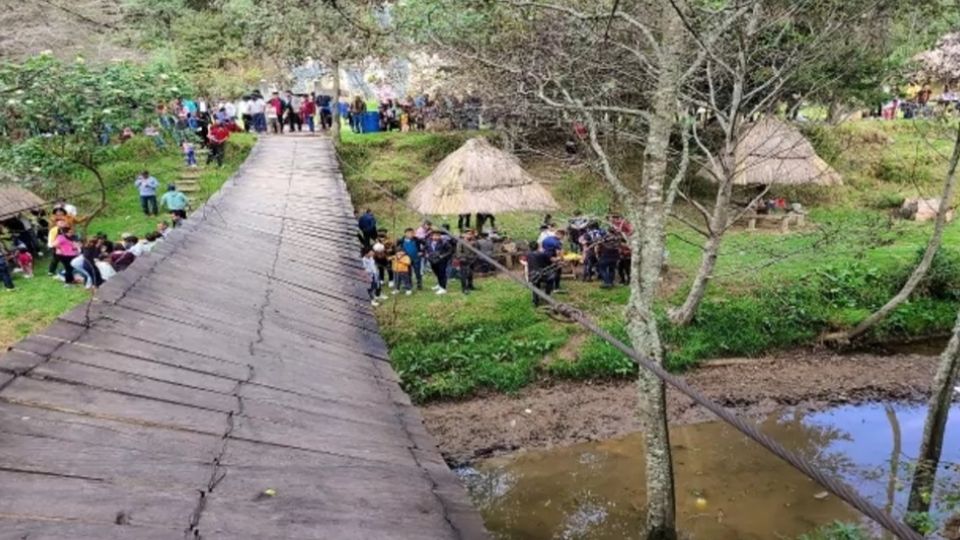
(562, 413)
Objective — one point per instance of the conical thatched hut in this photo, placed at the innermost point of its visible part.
(772, 152)
(15, 199)
(480, 178)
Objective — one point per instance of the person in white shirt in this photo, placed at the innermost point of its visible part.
(243, 111)
(230, 109)
(132, 244)
(545, 232)
(257, 108)
(105, 268)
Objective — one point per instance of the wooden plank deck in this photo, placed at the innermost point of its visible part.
(240, 356)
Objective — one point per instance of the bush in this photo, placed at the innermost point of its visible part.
(837, 531)
(597, 359)
(472, 360)
(895, 169)
(886, 200)
(825, 141)
(942, 280)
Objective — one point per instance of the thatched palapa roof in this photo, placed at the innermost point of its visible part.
(15, 199)
(773, 152)
(478, 177)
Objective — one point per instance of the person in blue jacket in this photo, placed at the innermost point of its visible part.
(368, 228)
(413, 247)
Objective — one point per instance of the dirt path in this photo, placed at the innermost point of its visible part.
(569, 412)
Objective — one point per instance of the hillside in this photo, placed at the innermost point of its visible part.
(770, 291)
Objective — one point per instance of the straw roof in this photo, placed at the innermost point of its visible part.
(15, 199)
(480, 178)
(772, 152)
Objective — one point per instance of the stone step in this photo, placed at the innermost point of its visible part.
(189, 189)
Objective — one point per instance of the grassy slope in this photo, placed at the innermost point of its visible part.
(37, 302)
(771, 290)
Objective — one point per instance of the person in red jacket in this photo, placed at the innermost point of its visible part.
(217, 141)
(278, 106)
(307, 110)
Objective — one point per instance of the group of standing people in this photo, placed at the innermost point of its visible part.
(400, 264)
(174, 200)
(287, 112)
(193, 122)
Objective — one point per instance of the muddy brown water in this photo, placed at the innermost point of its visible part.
(728, 488)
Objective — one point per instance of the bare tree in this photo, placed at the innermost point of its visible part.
(931, 446)
(620, 76)
(753, 60)
(933, 245)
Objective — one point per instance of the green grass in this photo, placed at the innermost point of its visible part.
(770, 291)
(837, 531)
(37, 302)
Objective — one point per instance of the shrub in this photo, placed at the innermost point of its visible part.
(895, 169)
(825, 141)
(597, 359)
(484, 357)
(886, 200)
(837, 530)
(942, 280)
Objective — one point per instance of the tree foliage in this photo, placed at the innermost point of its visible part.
(58, 116)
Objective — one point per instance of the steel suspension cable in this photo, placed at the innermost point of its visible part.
(832, 484)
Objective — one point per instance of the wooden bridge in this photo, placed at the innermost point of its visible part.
(232, 384)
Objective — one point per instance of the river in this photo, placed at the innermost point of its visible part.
(728, 488)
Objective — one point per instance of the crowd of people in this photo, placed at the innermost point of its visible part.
(415, 113)
(583, 249)
(208, 123)
(192, 123)
(76, 261)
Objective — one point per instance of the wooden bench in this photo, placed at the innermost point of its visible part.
(782, 219)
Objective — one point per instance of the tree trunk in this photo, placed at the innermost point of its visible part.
(647, 243)
(920, 271)
(833, 111)
(895, 452)
(335, 119)
(684, 314)
(103, 198)
(941, 397)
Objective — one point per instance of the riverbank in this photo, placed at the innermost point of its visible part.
(770, 292)
(560, 413)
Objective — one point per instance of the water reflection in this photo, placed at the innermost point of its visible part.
(727, 487)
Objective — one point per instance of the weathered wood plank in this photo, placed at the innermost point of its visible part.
(200, 375)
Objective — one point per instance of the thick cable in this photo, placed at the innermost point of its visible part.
(833, 485)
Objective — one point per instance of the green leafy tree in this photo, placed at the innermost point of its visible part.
(332, 32)
(58, 117)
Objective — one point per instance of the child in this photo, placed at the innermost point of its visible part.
(370, 268)
(401, 272)
(25, 260)
(189, 153)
